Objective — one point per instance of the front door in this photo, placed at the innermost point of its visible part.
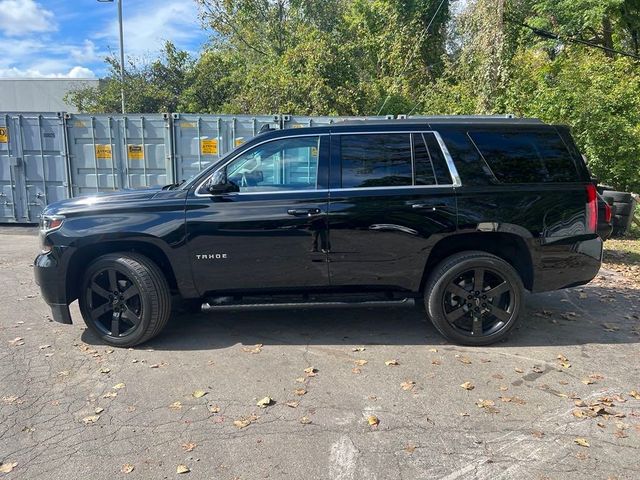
(392, 198)
(271, 234)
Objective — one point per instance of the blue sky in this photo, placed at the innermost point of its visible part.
(70, 38)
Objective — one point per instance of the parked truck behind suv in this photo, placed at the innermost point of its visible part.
(461, 214)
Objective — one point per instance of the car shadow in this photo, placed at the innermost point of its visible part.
(576, 316)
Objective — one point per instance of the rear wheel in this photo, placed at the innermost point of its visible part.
(474, 298)
(125, 299)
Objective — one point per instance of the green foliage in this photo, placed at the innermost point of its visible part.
(368, 57)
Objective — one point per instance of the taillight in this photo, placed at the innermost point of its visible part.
(607, 212)
(592, 208)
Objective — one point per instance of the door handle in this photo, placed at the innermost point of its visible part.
(427, 206)
(307, 212)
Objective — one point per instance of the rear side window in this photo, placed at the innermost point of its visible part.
(392, 159)
(526, 157)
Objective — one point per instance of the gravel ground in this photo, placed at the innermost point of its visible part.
(555, 401)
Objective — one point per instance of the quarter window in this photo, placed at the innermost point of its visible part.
(287, 164)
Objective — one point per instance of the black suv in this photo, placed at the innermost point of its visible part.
(465, 213)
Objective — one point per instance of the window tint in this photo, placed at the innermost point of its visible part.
(287, 164)
(526, 157)
(376, 160)
(430, 164)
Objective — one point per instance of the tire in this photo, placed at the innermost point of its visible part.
(456, 274)
(623, 208)
(622, 197)
(620, 221)
(143, 305)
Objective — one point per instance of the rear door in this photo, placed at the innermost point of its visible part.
(270, 234)
(392, 197)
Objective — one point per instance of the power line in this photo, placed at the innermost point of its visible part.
(555, 36)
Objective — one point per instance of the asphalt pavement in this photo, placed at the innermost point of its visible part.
(352, 394)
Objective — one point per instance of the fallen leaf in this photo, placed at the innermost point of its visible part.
(587, 381)
(182, 469)
(468, 386)
(198, 394)
(109, 350)
(579, 403)
(119, 386)
(463, 414)
(635, 394)
(487, 405)
(582, 442)
(393, 362)
(42, 347)
(410, 448)
(358, 349)
(497, 376)
(310, 372)
(301, 380)
(127, 468)
(578, 413)
(8, 467)
(105, 370)
(435, 362)
(300, 391)
(356, 370)
(373, 421)
(537, 369)
(99, 410)
(503, 388)
(463, 359)
(516, 400)
(408, 385)
(519, 370)
(620, 434)
(189, 446)
(562, 358)
(155, 365)
(214, 409)
(293, 404)
(537, 433)
(361, 363)
(17, 341)
(305, 420)
(433, 350)
(264, 402)
(609, 327)
(245, 422)
(176, 405)
(257, 348)
(91, 419)
(110, 395)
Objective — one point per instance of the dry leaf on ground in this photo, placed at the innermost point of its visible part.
(393, 362)
(300, 391)
(265, 402)
(408, 385)
(358, 349)
(182, 469)
(91, 419)
(360, 363)
(293, 404)
(635, 394)
(8, 467)
(198, 394)
(463, 359)
(582, 442)
(119, 386)
(257, 348)
(373, 421)
(105, 370)
(127, 468)
(214, 409)
(189, 446)
(468, 386)
(176, 405)
(305, 420)
(310, 371)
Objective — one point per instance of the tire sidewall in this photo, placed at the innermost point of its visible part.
(117, 263)
(433, 301)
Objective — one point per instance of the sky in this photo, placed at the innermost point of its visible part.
(70, 38)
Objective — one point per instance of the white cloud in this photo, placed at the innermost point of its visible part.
(146, 29)
(75, 72)
(21, 17)
(86, 53)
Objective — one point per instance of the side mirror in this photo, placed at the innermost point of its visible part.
(220, 185)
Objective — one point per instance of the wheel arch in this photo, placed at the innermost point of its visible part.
(511, 247)
(84, 255)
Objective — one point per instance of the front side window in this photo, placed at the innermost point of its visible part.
(286, 164)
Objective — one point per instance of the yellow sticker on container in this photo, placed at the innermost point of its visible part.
(103, 152)
(209, 147)
(188, 125)
(239, 141)
(135, 152)
(4, 135)
(314, 151)
(297, 125)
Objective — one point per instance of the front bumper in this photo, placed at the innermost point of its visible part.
(51, 278)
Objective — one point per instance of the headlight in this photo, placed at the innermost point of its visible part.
(48, 223)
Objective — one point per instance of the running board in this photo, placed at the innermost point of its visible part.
(404, 302)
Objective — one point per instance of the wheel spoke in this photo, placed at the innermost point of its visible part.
(115, 324)
(478, 279)
(98, 290)
(476, 327)
(497, 291)
(101, 310)
(113, 283)
(457, 290)
(455, 314)
(500, 313)
(131, 291)
(131, 317)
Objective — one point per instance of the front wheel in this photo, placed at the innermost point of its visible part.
(125, 299)
(474, 298)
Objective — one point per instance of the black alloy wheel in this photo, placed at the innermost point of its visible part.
(474, 298)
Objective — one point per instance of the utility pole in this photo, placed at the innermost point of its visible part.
(120, 26)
